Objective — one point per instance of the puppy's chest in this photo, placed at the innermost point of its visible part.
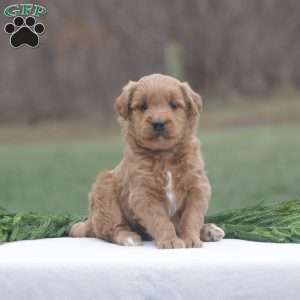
(172, 193)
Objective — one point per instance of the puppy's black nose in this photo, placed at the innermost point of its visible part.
(158, 126)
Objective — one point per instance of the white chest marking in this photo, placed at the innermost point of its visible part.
(170, 195)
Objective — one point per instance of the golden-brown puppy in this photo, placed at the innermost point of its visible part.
(161, 183)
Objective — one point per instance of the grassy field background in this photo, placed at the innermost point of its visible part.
(47, 169)
(245, 166)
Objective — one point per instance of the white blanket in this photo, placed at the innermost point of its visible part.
(68, 268)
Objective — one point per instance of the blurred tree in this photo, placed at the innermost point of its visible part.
(91, 49)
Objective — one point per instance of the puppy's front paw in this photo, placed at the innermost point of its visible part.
(170, 243)
(211, 233)
(192, 242)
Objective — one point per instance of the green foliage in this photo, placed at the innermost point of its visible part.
(279, 223)
(32, 226)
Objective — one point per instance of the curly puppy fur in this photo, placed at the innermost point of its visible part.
(161, 183)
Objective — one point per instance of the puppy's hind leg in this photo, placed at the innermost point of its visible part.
(126, 237)
(122, 236)
(211, 233)
(106, 217)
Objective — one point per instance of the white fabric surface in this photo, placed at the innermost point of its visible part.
(68, 268)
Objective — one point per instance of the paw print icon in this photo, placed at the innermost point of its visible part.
(24, 31)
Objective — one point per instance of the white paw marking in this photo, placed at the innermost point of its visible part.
(216, 232)
(170, 195)
(131, 242)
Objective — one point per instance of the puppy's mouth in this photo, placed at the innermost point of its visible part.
(158, 141)
(161, 140)
(160, 136)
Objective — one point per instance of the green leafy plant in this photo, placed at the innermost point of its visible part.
(31, 226)
(278, 223)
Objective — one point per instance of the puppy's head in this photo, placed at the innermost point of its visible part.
(158, 111)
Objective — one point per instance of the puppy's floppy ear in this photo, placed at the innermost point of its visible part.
(123, 101)
(193, 99)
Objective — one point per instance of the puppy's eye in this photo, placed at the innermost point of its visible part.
(173, 105)
(143, 107)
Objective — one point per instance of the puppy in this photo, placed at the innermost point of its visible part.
(160, 186)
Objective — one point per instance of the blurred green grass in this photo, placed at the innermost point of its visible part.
(245, 166)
